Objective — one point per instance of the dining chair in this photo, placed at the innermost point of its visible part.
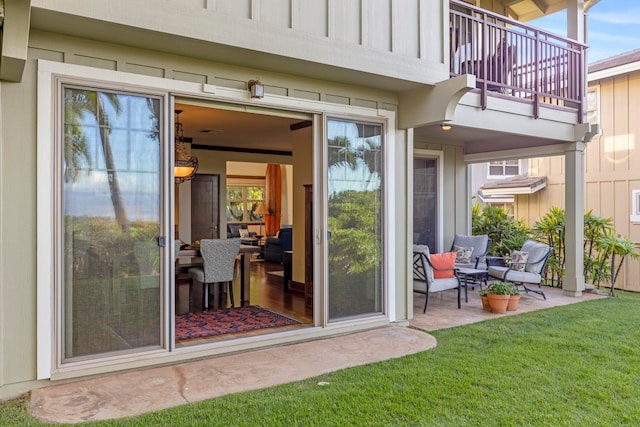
(219, 258)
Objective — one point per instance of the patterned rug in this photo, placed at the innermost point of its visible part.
(228, 321)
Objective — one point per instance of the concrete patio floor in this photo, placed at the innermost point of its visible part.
(145, 390)
(442, 309)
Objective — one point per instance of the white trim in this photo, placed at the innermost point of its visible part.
(44, 301)
(635, 206)
(389, 212)
(614, 71)
(46, 336)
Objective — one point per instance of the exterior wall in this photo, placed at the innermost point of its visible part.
(456, 203)
(368, 37)
(18, 285)
(611, 169)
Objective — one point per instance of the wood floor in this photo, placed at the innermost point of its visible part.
(267, 290)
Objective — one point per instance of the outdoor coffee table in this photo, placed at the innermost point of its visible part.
(472, 277)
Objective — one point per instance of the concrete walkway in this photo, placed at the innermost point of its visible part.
(153, 389)
(147, 390)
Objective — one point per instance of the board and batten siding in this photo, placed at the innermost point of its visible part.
(612, 169)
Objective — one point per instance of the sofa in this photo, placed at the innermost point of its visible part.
(275, 246)
(241, 230)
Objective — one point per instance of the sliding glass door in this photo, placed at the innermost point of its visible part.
(354, 202)
(111, 195)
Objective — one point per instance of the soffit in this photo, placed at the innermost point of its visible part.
(527, 10)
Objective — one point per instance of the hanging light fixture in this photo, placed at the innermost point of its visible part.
(185, 167)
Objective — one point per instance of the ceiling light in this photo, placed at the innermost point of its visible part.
(185, 166)
(445, 126)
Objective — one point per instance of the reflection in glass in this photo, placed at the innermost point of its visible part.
(111, 208)
(355, 218)
(425, 201)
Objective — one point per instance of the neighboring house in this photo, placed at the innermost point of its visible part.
(612, 175)
(356, 93)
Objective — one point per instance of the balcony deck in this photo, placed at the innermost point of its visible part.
(515, 60)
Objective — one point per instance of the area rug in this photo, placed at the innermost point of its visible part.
(228, 321)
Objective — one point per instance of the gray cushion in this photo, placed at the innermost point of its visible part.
(424, 251)
(515, 276)
(219, 256)
(537, 252)
(479, 244)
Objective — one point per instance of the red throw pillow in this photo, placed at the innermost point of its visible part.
(445, 260)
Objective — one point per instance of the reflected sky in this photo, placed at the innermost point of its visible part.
(133, 139)
(355, 156)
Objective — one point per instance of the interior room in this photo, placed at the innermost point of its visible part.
(253, 173)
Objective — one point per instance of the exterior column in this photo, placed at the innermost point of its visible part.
(573, 282)
(575, 20)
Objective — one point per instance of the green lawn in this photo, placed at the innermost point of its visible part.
(575, 365)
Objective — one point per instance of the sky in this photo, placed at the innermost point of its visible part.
(613, 27)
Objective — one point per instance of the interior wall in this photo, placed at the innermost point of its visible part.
(302, 174)
(215, 162)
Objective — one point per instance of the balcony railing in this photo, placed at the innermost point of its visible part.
(516, 60)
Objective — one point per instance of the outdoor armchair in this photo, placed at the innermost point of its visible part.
(424, 280)
(479, 246)
(523, 270)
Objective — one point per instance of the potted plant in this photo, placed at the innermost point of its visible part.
(514, 298)
(485, 300)
(499, 294)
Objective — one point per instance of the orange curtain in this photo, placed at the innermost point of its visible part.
(273, 199)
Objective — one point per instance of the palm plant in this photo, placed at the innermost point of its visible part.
(77, 104)
(551, 228)
(610, 247)
(594, 227)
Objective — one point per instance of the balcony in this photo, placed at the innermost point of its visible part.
(510, 59)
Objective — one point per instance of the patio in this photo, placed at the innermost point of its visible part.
(442, 312)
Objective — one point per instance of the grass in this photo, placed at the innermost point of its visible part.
(574, 365)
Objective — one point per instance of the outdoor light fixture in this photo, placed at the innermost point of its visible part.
(185, 166)
(445, 126)
(256, 88)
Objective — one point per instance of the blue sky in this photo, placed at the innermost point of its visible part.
(613, 27)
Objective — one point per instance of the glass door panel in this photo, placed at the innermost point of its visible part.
(354, 177)
(425, 201)
(111, 206)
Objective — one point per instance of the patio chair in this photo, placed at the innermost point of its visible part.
(477, 258)
(525, 272)
(424, 281)
(219, 257)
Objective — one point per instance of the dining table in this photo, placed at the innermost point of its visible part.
(245, 267)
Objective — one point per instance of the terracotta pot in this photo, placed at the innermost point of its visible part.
(485, 303)
(513, 303)
(498, 303)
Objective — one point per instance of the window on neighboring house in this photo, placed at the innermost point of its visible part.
(593, 105)
(635, 206)
(243, 199)
(504, 168)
